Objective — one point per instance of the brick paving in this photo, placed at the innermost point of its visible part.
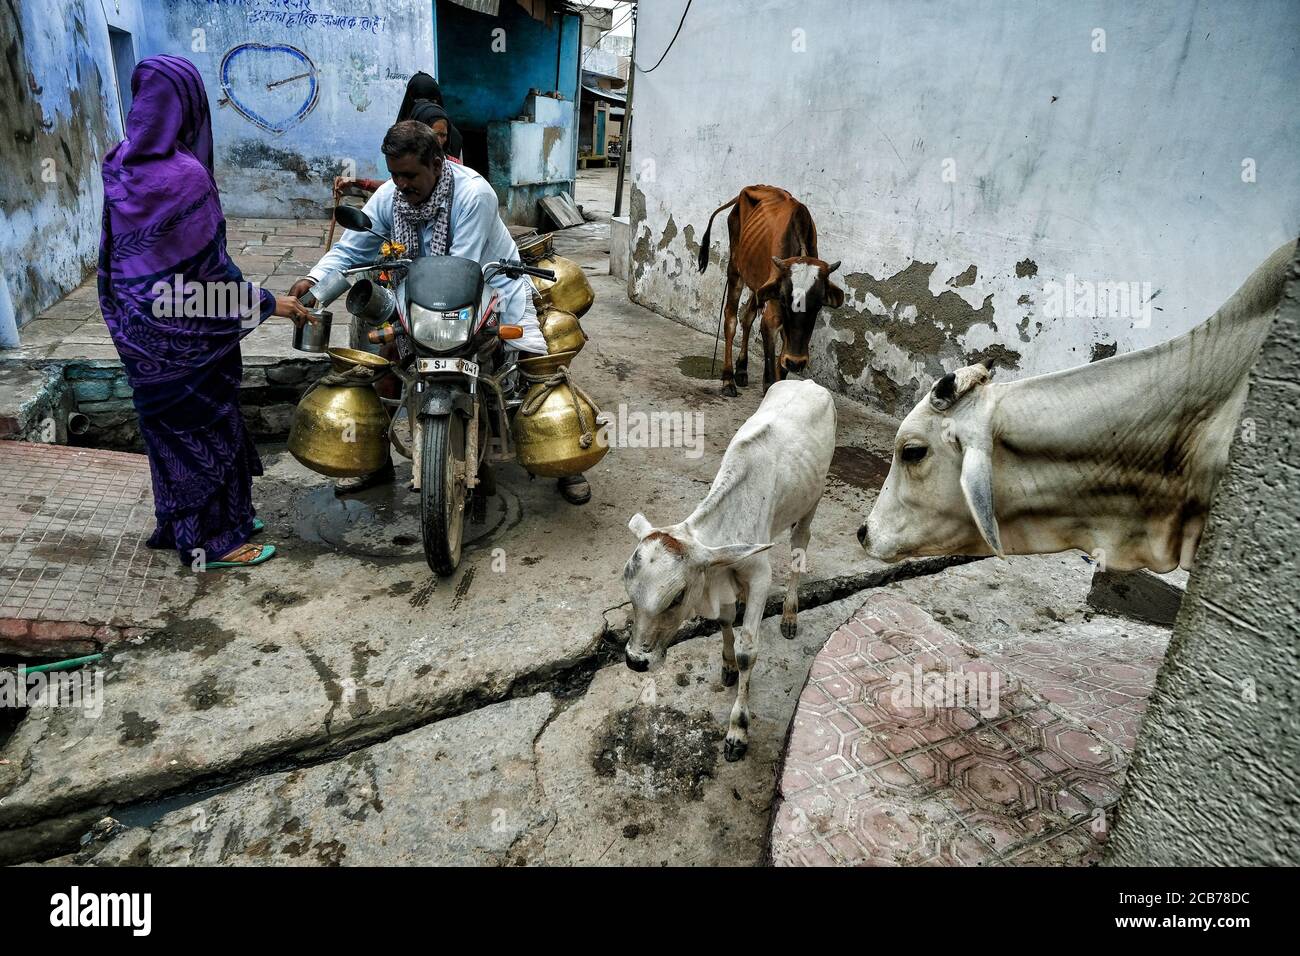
(882, 769)
(74, 568)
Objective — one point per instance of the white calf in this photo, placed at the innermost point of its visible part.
(771, 479)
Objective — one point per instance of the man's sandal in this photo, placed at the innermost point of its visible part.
(264, 553)
(574, 489)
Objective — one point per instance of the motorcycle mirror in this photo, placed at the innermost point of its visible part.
(350, 217)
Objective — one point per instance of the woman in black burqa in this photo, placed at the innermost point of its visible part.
(424, 87)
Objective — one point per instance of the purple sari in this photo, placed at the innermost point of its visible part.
(163, 219)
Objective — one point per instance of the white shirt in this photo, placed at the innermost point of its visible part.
(477, 233)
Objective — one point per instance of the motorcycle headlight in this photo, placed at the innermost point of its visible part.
(441, 331)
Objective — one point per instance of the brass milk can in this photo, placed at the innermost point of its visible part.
(556, 430)
(340, 427)
(571, 291)
(561, 330)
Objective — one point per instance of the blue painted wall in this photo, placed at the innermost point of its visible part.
(480, 85)
(301, 90)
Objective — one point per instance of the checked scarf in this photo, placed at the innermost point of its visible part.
(408, 220)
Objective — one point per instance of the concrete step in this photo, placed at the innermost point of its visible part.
(1141, 595)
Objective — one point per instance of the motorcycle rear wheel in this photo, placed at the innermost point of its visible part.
(442, 491)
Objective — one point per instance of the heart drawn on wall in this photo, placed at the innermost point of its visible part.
(272, 85)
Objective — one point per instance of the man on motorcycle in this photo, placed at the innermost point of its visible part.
(438, 208)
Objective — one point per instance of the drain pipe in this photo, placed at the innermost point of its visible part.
(78, 424)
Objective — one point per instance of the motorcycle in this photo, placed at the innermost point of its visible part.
(459, 387)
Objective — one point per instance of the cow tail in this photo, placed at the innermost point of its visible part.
(704, 243)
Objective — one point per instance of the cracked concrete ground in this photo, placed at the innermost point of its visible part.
(343, 705)
(346, 638)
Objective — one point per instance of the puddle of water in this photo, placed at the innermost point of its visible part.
(381, 522)
(700, 366)
(859, 467)
(150, 812)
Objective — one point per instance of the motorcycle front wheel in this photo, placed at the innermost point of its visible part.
(442, 491)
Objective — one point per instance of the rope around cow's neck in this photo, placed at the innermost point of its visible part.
(551, 382)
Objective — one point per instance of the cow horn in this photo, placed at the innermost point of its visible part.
(833, 266)
(977, 489)
(640, 526)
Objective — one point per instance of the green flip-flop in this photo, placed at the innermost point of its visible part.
(258, 525)
(268, 552)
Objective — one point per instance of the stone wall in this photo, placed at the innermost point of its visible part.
(1216, 772)
(268, 396)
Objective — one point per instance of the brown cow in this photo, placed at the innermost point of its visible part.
(773, 253)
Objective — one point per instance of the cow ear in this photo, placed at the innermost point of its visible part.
(834, 294)
(949, 389)
(779, 263)
(640, 527)
(977, 489)
(730, 554)
(768, 290)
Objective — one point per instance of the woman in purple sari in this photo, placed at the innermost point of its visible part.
(177, 308)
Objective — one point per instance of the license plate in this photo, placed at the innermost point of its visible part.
(464, 366)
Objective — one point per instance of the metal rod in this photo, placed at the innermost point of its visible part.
(627, 123)
(577, 118)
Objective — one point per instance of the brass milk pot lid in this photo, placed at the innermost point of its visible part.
(345, 358)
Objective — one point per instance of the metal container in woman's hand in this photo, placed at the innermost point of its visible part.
(314, 336)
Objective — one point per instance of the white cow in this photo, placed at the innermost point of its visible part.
(771, 479)
(1119, 458)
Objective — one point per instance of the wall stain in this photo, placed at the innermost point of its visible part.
(1102, 350)
(550, 136)
(995, 355)
(965, 279)
(940, 321)
(669, 234)
(255, 154)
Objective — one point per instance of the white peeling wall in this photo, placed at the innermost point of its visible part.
(1110, 142)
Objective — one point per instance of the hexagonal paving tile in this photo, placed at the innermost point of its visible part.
(893, 762)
